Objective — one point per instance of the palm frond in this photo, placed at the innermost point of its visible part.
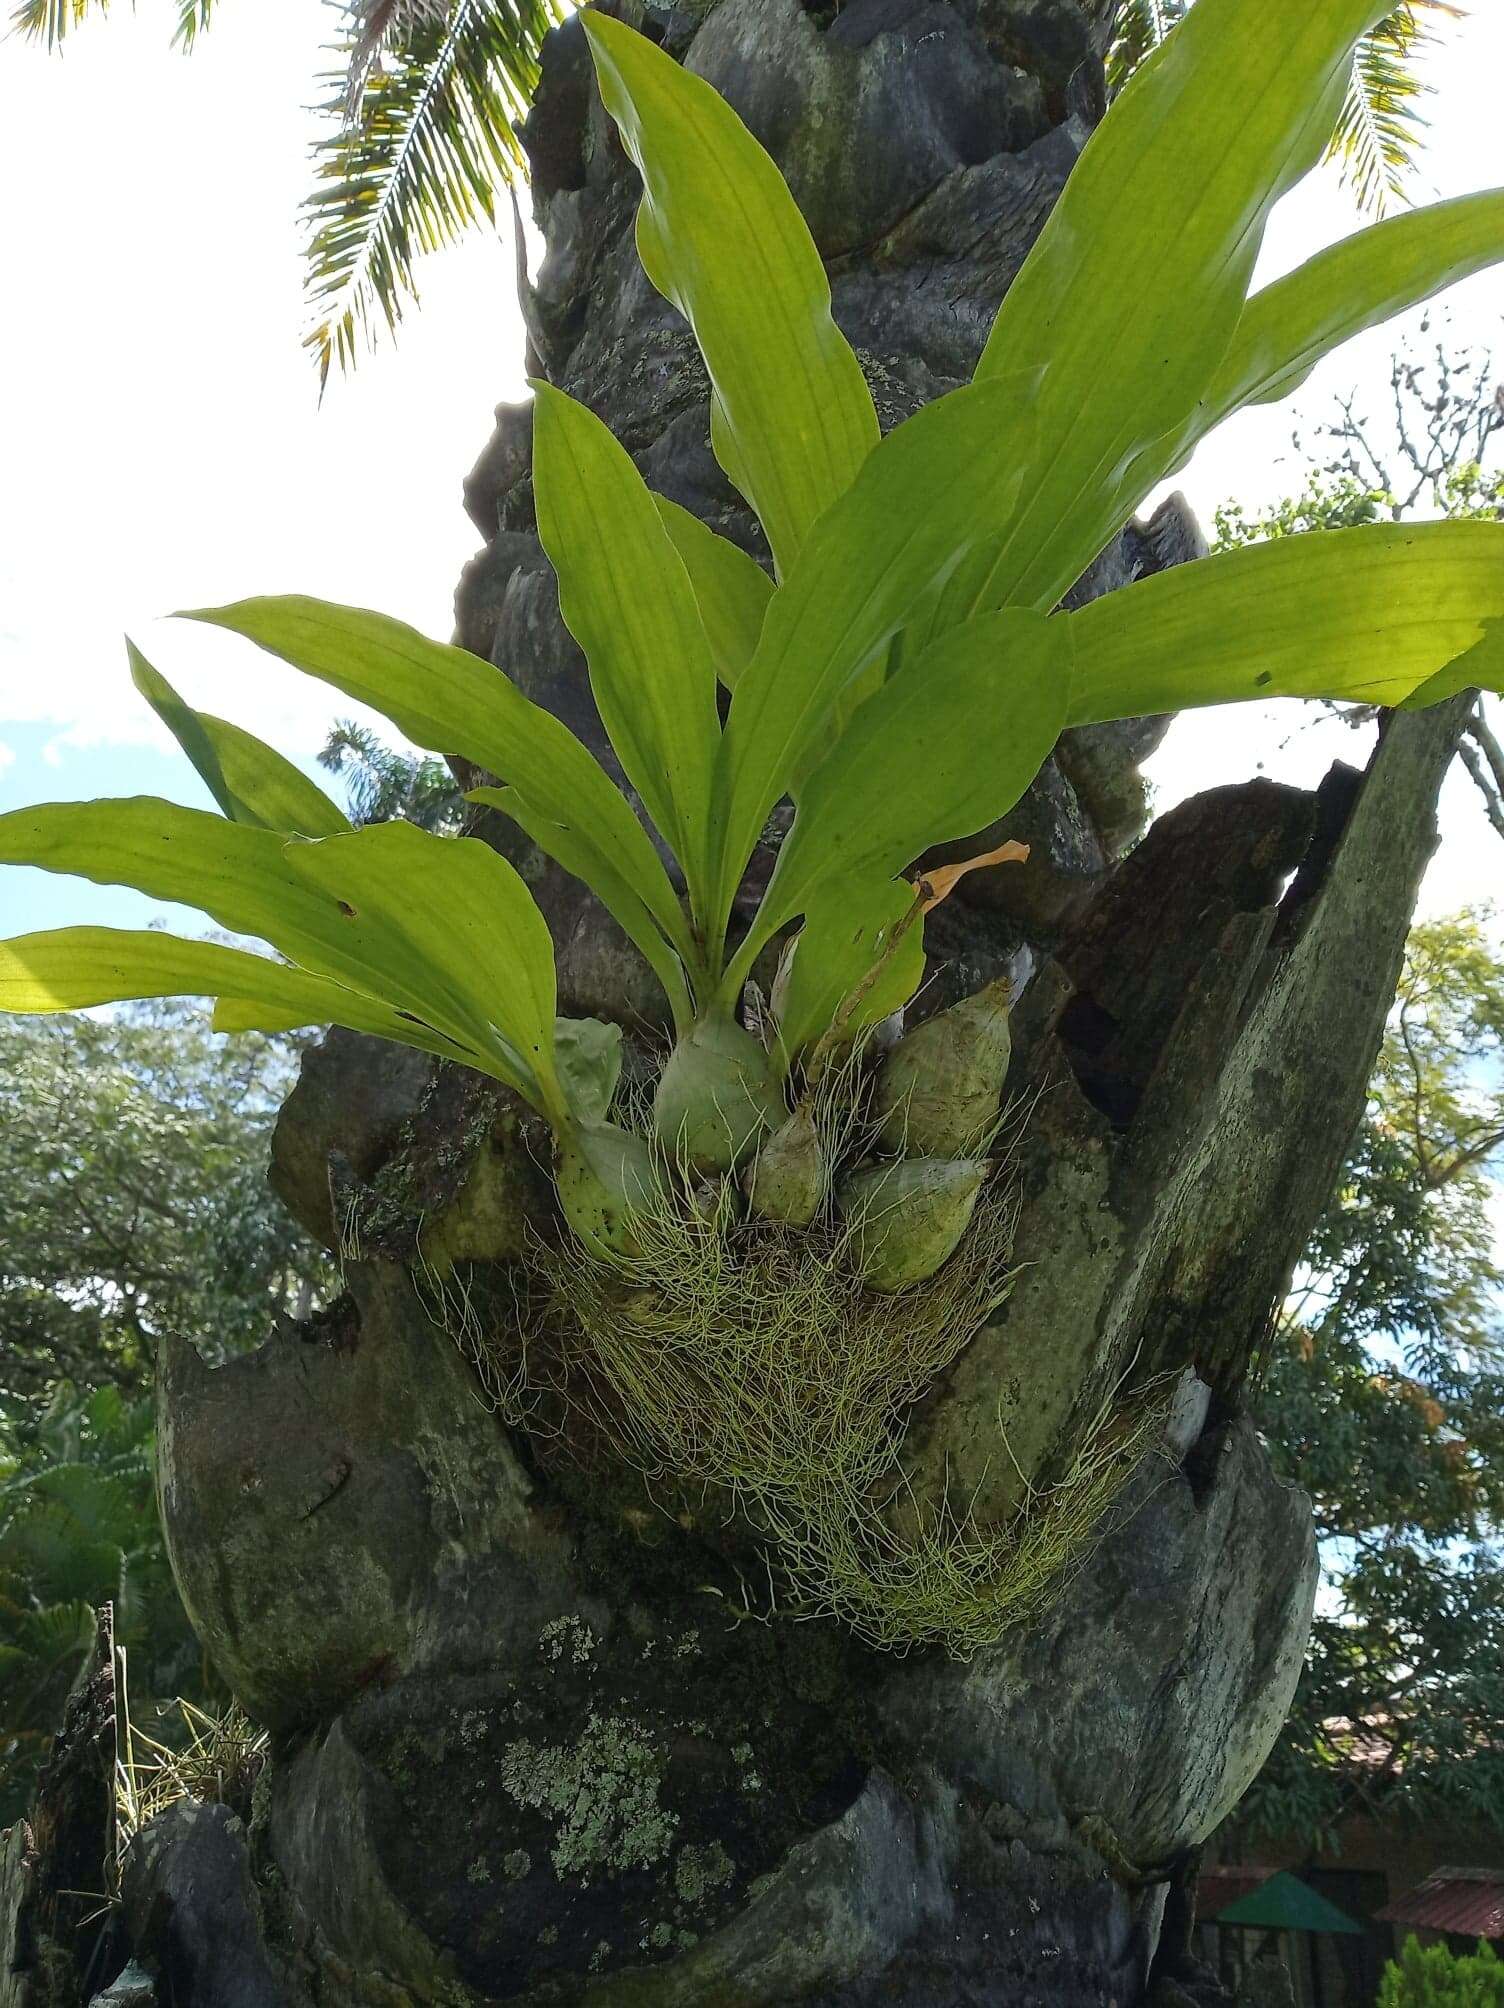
(1141, 26)
(432, 138)
(193, 18)
(379, 25)
(49, 20)
(1381, 128)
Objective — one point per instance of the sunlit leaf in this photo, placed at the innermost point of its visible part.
(720, 236)
(1369, 614)
(251, 781)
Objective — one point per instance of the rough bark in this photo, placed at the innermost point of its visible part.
(539, 1740)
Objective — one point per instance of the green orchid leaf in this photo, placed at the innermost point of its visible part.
(452, 702)
(720, 236)
(73, 968)
(450, 921)
(588, 1054)
(234, 872)
(562, 842)
(424, 936)
(942, 482)
(1370, 614)
(940, 751)
(1288, 327)
(1130, 297)
(849, 954)
(733, 590)
(627, 600)
(250, 781)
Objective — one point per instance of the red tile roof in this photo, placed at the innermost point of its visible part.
(1467, 1902)
(1217, 1887)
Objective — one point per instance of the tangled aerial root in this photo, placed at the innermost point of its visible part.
(747, 1358)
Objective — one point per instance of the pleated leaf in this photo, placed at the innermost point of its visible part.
(864, 571)
(1129, 298)
(250, 780)
(732, 589)
(846, 946)
(440, 927)
(1286, 328)
(73, 968)
(1370, 614)
(452, 702)
(627, 600)
(940, 751)
(720, 236)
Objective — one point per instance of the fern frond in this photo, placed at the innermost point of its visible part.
(433, 137)
(380, 25)
(50, 20)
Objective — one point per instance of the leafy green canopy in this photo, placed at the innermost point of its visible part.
(917, 581)
(79, 1527)
(1432, 1976)
(1384, 1400)
(133, 1155)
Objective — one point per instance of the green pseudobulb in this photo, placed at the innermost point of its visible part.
(938, 1092)
(786, 1181)
(718, 1094)
(605, 1178)
(909, 1216)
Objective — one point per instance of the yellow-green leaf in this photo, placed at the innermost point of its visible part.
(452, 702)
(627, 600)
(250, 780)
(860, 578)
(733, 590)
(1287, 328)
(73, 968)
(850, 943)
(1370, 614)
(721, 237)
(1129, 298)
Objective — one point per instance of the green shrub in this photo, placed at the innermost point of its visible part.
(1430, 1976)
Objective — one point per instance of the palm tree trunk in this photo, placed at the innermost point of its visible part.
(544, 1734)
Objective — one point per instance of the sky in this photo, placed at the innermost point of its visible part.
(164, 443)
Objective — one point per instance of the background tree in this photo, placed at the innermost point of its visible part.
(133, 1160)
(79, 1527)
(1384, 1398)
(382, 783)
(133, 1155)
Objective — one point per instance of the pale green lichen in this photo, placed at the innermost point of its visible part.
(699, 1872)
(603, 1792)
(567, 1634)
